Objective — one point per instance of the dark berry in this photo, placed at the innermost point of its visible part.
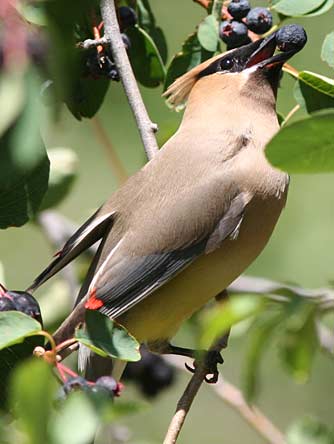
(291, 38)
(75, 383)
(37, 48)
(26, 303)
(259, 20)
(233, 33)
(151, 373)
(127, 17)
(239, 8)
(126, 41)
(109, 384)
(6, 304)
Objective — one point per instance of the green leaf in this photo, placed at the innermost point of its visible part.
(207, 33)
(24, 165)
(15, 327)
(261, 332)
(314, 92)
(191, 55)
(316, 152)
(76, 421)
(309, 431)
(146, 21)
(299, 341)
(325, 7)
(12, 356)
(296, 8)
(107, 338)
(145, 59)
(327, 50)
(218, 321)
(32, 395)
(12, 98)
(32, 13)
(62, 176)
(87, 96)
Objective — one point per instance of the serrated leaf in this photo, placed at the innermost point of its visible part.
(32, 395)
(316, 152)
(327, 50)
(218, 321)
(15, 327)
(297, 7)
(63, 173)
(207, 33)
(309, 431)
(145, 59)
(106, 338)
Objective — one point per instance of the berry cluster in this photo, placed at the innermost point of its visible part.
(106, 386)
(234, 32)
(19, 301)
(99, 61)
(152, 374)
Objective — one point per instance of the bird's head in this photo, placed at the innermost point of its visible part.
(251, 72)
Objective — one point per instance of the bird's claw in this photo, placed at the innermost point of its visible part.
(212, 359)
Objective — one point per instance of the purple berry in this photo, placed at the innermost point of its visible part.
(26, 303)
(233, 33)
(291, 38)
(6, 304)
(107, 383)
(259, 20)
(239, 8)
(127, 17)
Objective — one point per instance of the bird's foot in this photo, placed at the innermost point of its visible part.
(210, 364)
(209, 361)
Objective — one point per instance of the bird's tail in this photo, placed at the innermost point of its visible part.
(95, 366)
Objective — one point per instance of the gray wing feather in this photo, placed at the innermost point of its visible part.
(134, 278)
(89, 233)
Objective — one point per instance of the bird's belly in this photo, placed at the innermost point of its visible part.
(159, 316)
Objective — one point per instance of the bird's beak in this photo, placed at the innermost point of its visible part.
(263, 55)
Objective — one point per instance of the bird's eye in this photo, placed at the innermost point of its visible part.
(226, 64)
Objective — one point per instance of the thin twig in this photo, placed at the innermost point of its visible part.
(234, 398)
(184, 404)
(112, 33)
(116, 164)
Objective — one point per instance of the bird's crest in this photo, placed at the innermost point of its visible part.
(178, 92)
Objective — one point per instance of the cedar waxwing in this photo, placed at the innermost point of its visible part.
(186, 225)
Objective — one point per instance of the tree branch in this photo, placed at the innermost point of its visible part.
(234, 398)
(112, 35)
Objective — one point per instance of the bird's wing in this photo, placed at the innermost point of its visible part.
(123, 280)
(89, 233)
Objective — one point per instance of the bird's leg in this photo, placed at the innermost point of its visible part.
(212, 357)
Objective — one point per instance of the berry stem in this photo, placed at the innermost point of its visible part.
(65, 344)
(61, 372)
(290, 114)
(291, 70)
(65, 370)
(3, 290)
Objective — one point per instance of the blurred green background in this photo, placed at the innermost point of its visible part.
(300, 250)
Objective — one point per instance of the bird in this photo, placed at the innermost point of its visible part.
(187, 224)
